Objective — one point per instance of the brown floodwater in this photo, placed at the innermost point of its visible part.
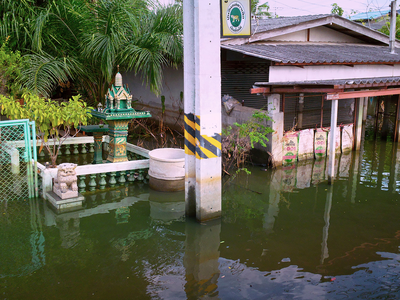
(284, 234)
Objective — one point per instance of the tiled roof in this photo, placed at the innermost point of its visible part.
(317, 53)
(275, 23)
(376, 25)
(375, 80)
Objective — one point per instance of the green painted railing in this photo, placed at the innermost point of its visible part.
(18, 160)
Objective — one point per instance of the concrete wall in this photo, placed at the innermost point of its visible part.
(239, 114)
(147, 100)
(292, 73)
(325, 34)
(319, 34)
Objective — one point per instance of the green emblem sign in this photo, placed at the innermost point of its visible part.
(236, 18)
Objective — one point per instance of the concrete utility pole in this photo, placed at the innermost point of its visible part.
(202, 101)
(332, 142)
(392, 41)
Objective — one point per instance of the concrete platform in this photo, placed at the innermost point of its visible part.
(65, 205)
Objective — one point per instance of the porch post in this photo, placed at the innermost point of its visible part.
(366, 99)
(359, 111)
(300, 114)
(385, 123)
(332, 142)
(397, 123)
(275, 141)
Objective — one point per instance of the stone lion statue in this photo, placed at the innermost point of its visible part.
(66, 180)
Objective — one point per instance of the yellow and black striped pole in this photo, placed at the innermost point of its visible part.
(207, 146)
(202, 146)
(202, 104)
(190, 134)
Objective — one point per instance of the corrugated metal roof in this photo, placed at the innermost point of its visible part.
(370, 15)
(352, 81)
(262, 25)
(316, 53)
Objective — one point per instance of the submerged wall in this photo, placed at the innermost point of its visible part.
(172, 90)
(310, 143)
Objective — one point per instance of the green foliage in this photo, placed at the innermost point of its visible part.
(238, 141)
(50, 117)
(10, 69)
(260, 10)
(353, 12)
(83, 41)
(386, 28)
(337, 10)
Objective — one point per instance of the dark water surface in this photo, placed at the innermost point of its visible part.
(284, 234)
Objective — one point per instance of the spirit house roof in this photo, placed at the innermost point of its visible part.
(118, 103)
(119, 91)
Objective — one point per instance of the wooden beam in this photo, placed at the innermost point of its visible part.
(260, 90)
(304, 90)
(382, 85)
(361, 94)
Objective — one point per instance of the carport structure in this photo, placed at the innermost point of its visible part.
(334, 91)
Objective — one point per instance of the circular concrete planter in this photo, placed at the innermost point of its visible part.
(167, 169)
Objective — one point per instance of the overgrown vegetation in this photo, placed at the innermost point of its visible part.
(237, 141)
(82, 41)
(148, 133)
(11, 64)
(386, 28)
(260, 10)
(73, 47)
(54, 121)
(337, 10)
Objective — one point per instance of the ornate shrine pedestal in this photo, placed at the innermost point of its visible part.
(117, 113)
(118, 132)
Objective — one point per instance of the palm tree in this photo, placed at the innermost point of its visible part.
(83, 41)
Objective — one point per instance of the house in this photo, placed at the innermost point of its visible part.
(307, 61)
(295, 66)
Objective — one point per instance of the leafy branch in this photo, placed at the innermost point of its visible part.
(50, 118)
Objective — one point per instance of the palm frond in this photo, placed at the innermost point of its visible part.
(146, 58)
(45, 72)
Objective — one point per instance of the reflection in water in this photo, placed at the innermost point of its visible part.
(274, 198)
(284, 234)
(327, 216)
(167, 207)
(201, 260)
(22, 242)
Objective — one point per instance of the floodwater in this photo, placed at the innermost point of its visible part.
(284, 234)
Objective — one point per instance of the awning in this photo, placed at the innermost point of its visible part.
(335, 89)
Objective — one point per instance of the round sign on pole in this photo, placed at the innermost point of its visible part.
(236, 18)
